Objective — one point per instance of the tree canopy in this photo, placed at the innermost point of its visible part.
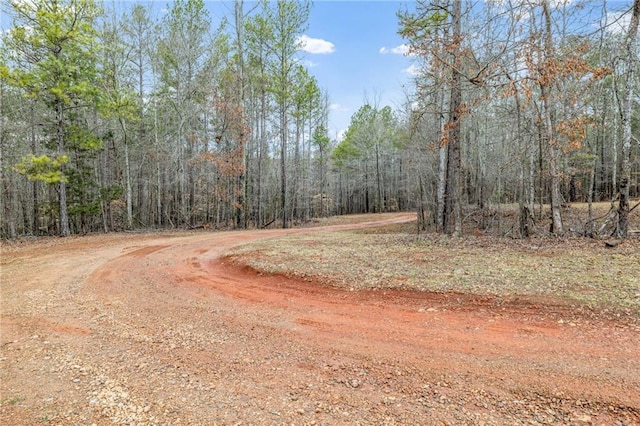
(112, 118)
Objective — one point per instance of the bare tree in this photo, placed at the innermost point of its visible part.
(630, 63)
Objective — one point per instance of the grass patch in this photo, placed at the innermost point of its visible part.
(12, 400)
(349, 219)
(579, 270)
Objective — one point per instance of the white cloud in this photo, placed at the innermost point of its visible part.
(402, 49)
(413, 70)
(315, 45)
(340, 134)
(337, 107)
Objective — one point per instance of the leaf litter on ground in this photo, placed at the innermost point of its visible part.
(576, 270)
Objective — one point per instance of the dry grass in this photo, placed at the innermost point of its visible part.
(348, 219)
(578, 270)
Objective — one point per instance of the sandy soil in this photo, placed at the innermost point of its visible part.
(157, 329)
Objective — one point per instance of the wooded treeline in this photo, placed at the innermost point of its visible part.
(531, 102)
(115, 119)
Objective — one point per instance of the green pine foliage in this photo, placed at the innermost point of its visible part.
(53, 55)
(43, 168)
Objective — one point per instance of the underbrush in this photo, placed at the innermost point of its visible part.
(506, 220)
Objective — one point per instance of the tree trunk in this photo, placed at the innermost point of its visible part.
(614, 161)
(378, 180)
(262, 150)
(283, 166)
(36, 207)
(160, 192)
(127, 174)
(453, 203)
(442, 165)
(295, 199)
(442, 176)
(625, 118)
(589, 230)
(8, 197)
(240, 209)
(104, 181)
(366, 187)
(531, 199)
(64, 230)
(554, 152)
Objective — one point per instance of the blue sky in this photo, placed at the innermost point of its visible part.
(351, 49)
(367, 61)
(362, 66)
(354, 68)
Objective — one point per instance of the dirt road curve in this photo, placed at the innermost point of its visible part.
(156, 329)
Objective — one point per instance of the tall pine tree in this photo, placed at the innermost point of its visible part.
(57, 40)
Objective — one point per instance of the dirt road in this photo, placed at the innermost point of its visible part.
(156, 329)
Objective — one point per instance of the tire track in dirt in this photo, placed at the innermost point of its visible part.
(157, 329)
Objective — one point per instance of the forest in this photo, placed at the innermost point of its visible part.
(113, 119)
